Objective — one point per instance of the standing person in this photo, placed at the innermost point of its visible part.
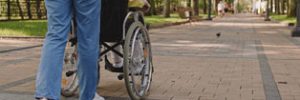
(257, 7)
(87, 15)
(226, 7)
(221, 7)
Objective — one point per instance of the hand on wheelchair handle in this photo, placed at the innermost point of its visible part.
(146, 8)
(143, 5)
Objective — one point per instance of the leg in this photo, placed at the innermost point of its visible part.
(88, 29)
(48, 79)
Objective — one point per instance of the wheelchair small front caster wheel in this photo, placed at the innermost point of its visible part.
(121, 76)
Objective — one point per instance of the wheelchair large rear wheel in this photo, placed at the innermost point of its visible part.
(69, 81)
(137, 61)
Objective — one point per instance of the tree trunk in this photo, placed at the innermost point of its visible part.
(28, 9)
(189, 4)
(153, 7)
(277, 7)
(20, 9)
(292, 8)
(204, 6)
(166, 11)
(267, 17)
(8, 10)
(271, 6)
(196, 7)
(209, 10)
(287, 6)
(282, 6)
(38, 9)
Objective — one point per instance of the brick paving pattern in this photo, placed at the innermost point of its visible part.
(191, 63)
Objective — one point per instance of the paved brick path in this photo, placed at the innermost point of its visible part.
(251, 60)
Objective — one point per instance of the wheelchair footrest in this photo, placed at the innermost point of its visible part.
(110, 67)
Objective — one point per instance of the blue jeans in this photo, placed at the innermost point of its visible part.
(87, 13)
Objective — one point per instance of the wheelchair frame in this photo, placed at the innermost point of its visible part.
(136, 27)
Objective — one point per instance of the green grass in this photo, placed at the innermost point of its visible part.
(159, 19)
(204, 16)
(23, 28)
(39, 27)
(284, 18)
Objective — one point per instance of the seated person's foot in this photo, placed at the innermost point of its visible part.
(98, 97)
(146, 6)
(118, 67)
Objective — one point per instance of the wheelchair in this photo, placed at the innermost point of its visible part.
(120, 26)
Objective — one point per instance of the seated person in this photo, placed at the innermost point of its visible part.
(117, 61)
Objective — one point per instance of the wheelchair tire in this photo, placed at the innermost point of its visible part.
(69, 75)
(69, 82)
(136, 35)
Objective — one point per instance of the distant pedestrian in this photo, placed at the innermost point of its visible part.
(221, 7)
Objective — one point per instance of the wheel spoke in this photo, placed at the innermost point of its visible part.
(137, 54)
(69, 80)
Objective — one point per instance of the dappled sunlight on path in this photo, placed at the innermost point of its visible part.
(236, 57)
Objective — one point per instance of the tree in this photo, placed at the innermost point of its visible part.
(8, 10)
(196, 7)
(271, 5)
(204, 6)
(38, 9)
(277, 7)
(167, 7)
(28, 9)
(282, 6)
(153, 7)
(20, 9)
(291, 8)
(189, 4)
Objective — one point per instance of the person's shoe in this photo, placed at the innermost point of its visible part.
(43, 98)
(118, 64)
(111, 68)
(98, 97)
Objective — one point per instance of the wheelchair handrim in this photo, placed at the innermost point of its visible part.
(130, 79)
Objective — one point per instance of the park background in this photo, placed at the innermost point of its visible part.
(28, 17)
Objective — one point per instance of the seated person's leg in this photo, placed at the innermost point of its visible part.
(117, 60)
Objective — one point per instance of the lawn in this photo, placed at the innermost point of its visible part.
(284, 18)
(159, 19)
(39, 27)
(23, 28)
